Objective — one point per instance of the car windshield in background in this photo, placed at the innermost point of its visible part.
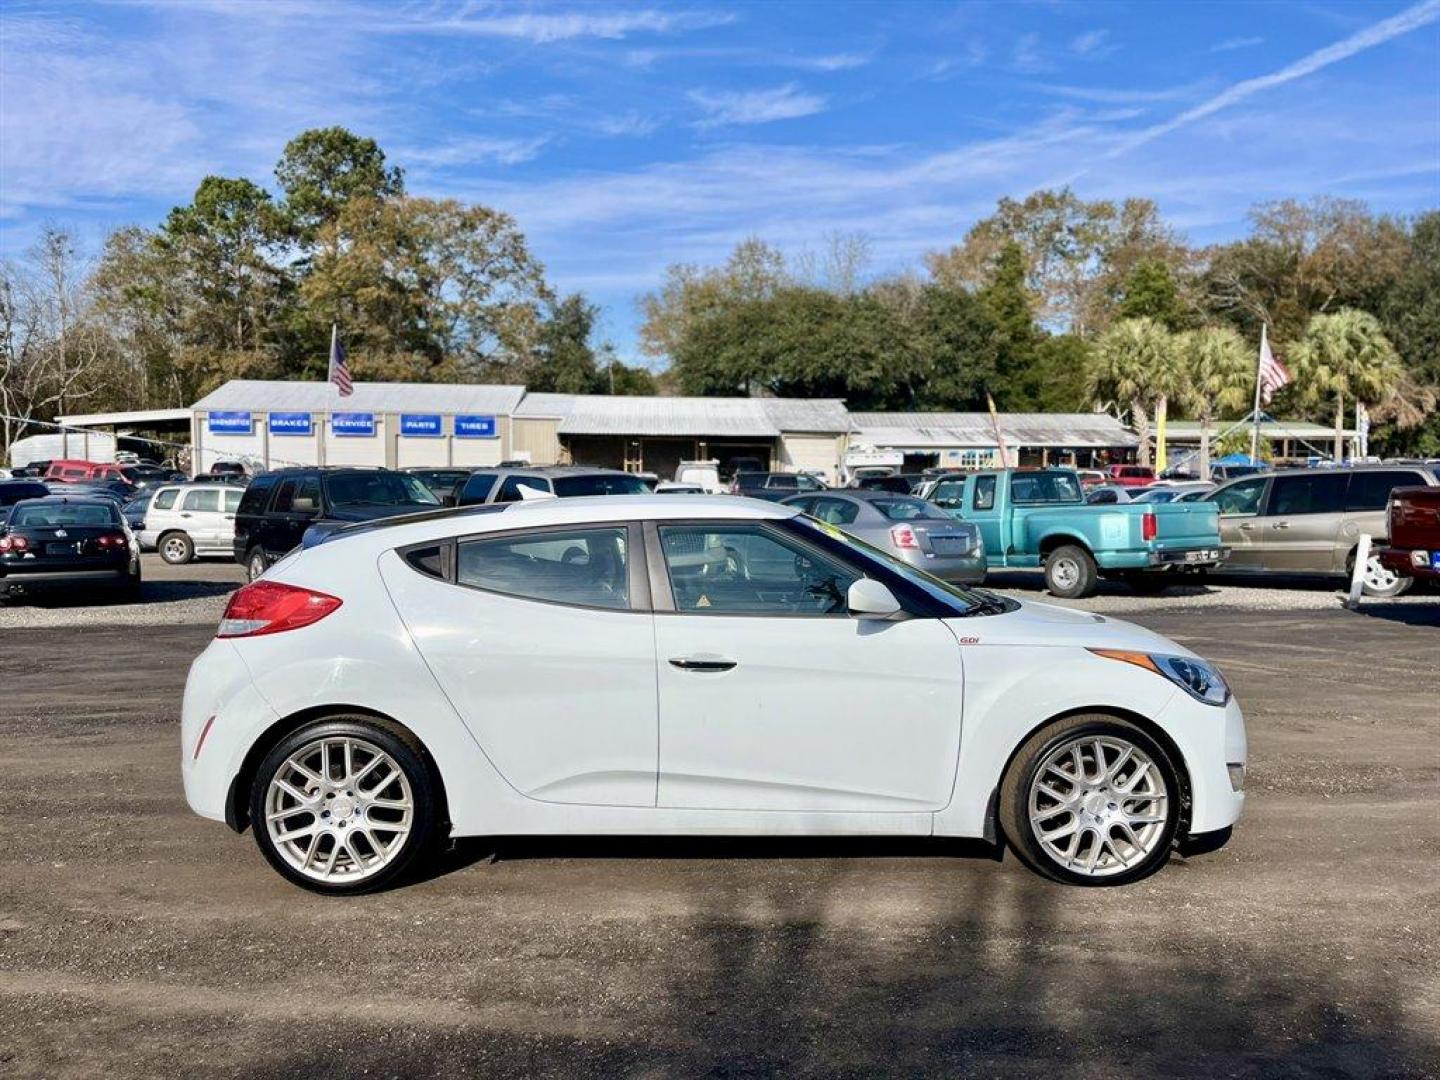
(378, 489)
(47, 517)
(960, 599)
(568, 487)
(907, 509)
(1030, 488)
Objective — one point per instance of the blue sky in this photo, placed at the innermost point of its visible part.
(624, 137)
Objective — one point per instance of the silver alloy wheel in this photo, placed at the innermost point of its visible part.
(257, 566)
(339, 809)
(1065, 573)
(1379, 578)
(1098, 805)
(174, 549)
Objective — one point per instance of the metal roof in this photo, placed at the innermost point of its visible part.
(254, 395)
(139, 418)
(904, 430)
(1271, 429)
(598, 414)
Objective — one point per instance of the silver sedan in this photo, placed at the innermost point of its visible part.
(910, 528)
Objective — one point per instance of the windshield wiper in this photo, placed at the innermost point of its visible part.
(988, 604)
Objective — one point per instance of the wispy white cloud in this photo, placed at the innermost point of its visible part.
(1092, 43)
(831, 62)
(1026, 57)
(543, 27)
(970, 54)
(1231, 44)
(726, 107)
(631, 122)
(1119, 95)
(1411, 19)
(469, 151)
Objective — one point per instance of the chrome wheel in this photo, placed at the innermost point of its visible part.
(1379, 579)
(257, 566)
(339, 810)
(1065, 573)
(175, 549)
(1098, 805)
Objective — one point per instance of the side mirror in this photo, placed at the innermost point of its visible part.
(871, 599)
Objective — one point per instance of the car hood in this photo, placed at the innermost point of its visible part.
(1037, 624)
(370, 512)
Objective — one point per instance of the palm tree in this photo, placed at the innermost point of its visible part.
(1345, 353)
(1136, 366)
(1215, 373)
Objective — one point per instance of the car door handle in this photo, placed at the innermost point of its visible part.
(1281, 525)
(699, 664)
(1247, 527)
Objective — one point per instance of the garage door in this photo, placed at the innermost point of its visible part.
(811, 452)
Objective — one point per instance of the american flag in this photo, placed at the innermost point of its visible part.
(1272, 373)
(339, 369)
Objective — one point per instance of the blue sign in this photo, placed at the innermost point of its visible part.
(230, 423)
(424, 424)
(290, 423)
(475, 427)
(352, 423)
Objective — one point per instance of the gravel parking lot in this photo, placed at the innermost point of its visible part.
(136, 939)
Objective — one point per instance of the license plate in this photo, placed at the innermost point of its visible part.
(1201, 556)
(1435, 560)
(60, 549)
(950, 545)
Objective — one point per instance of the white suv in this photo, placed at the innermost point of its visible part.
(191, 519)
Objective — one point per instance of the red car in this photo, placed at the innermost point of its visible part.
(1131, 475)
(1414, 548)
(84, 470)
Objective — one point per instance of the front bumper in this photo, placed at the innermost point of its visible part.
(1213, 744)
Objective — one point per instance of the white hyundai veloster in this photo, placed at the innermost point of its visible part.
(686, 665)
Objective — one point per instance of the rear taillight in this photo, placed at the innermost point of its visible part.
(268, 607)
(1148, 528)
(14, 543)
(903, 536)
(112, 542)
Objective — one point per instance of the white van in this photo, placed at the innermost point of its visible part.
(191, 519)
(704, 474)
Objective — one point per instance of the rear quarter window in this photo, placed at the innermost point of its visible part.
(256, 495)
(1371, 490)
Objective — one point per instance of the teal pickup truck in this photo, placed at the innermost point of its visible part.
(1039, 517)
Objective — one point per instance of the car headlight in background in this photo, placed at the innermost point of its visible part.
(1196, 677)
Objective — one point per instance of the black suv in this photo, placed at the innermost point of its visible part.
(563, 481)
(278, 507)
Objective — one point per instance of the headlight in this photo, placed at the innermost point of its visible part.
(1196, 677)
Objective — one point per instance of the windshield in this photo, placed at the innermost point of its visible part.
(600, 484)
(378, 489)
(442, 482)
(53, 515)
(1045, 487)
(956, 598)
(907, 509)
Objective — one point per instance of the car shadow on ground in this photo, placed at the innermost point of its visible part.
(1412, 614)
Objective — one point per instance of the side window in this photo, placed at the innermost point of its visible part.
(232, 500)
(807, 483)
(510, 489)
(166, 499)
(985, 493)
(1103, 497)
(202, 501)
(583, 567)
(1371, 490)
(285, 497)
(948, 494)
(307, 496)
(477, 488)
(835, 511)
(1241, 498)
(1313, 493)
(256, 495)
(747, 570)
(787, 482)
(804, 505)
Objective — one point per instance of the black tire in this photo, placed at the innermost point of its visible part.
(255, 563)
(1071, 573)
(1015, 788)
(176, 548)
(129, 591)
(426, 827)
(1400, 587)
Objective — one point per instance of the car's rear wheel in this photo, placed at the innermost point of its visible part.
(176, 548)
(1379, 580)
(255, 564)
(344, 806)
(1070, 572)
(1091, 800)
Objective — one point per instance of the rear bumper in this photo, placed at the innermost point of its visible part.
(962, 569)
(1409, 562)
(24, 581)
(1195, 558)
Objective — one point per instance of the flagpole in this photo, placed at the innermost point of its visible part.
(1255, 413)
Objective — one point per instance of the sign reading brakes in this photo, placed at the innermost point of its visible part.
(475, 427)
(352, 423)
(290, 423)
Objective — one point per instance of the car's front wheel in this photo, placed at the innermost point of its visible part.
(344, 806)
(1091, 800)
(176, 548)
